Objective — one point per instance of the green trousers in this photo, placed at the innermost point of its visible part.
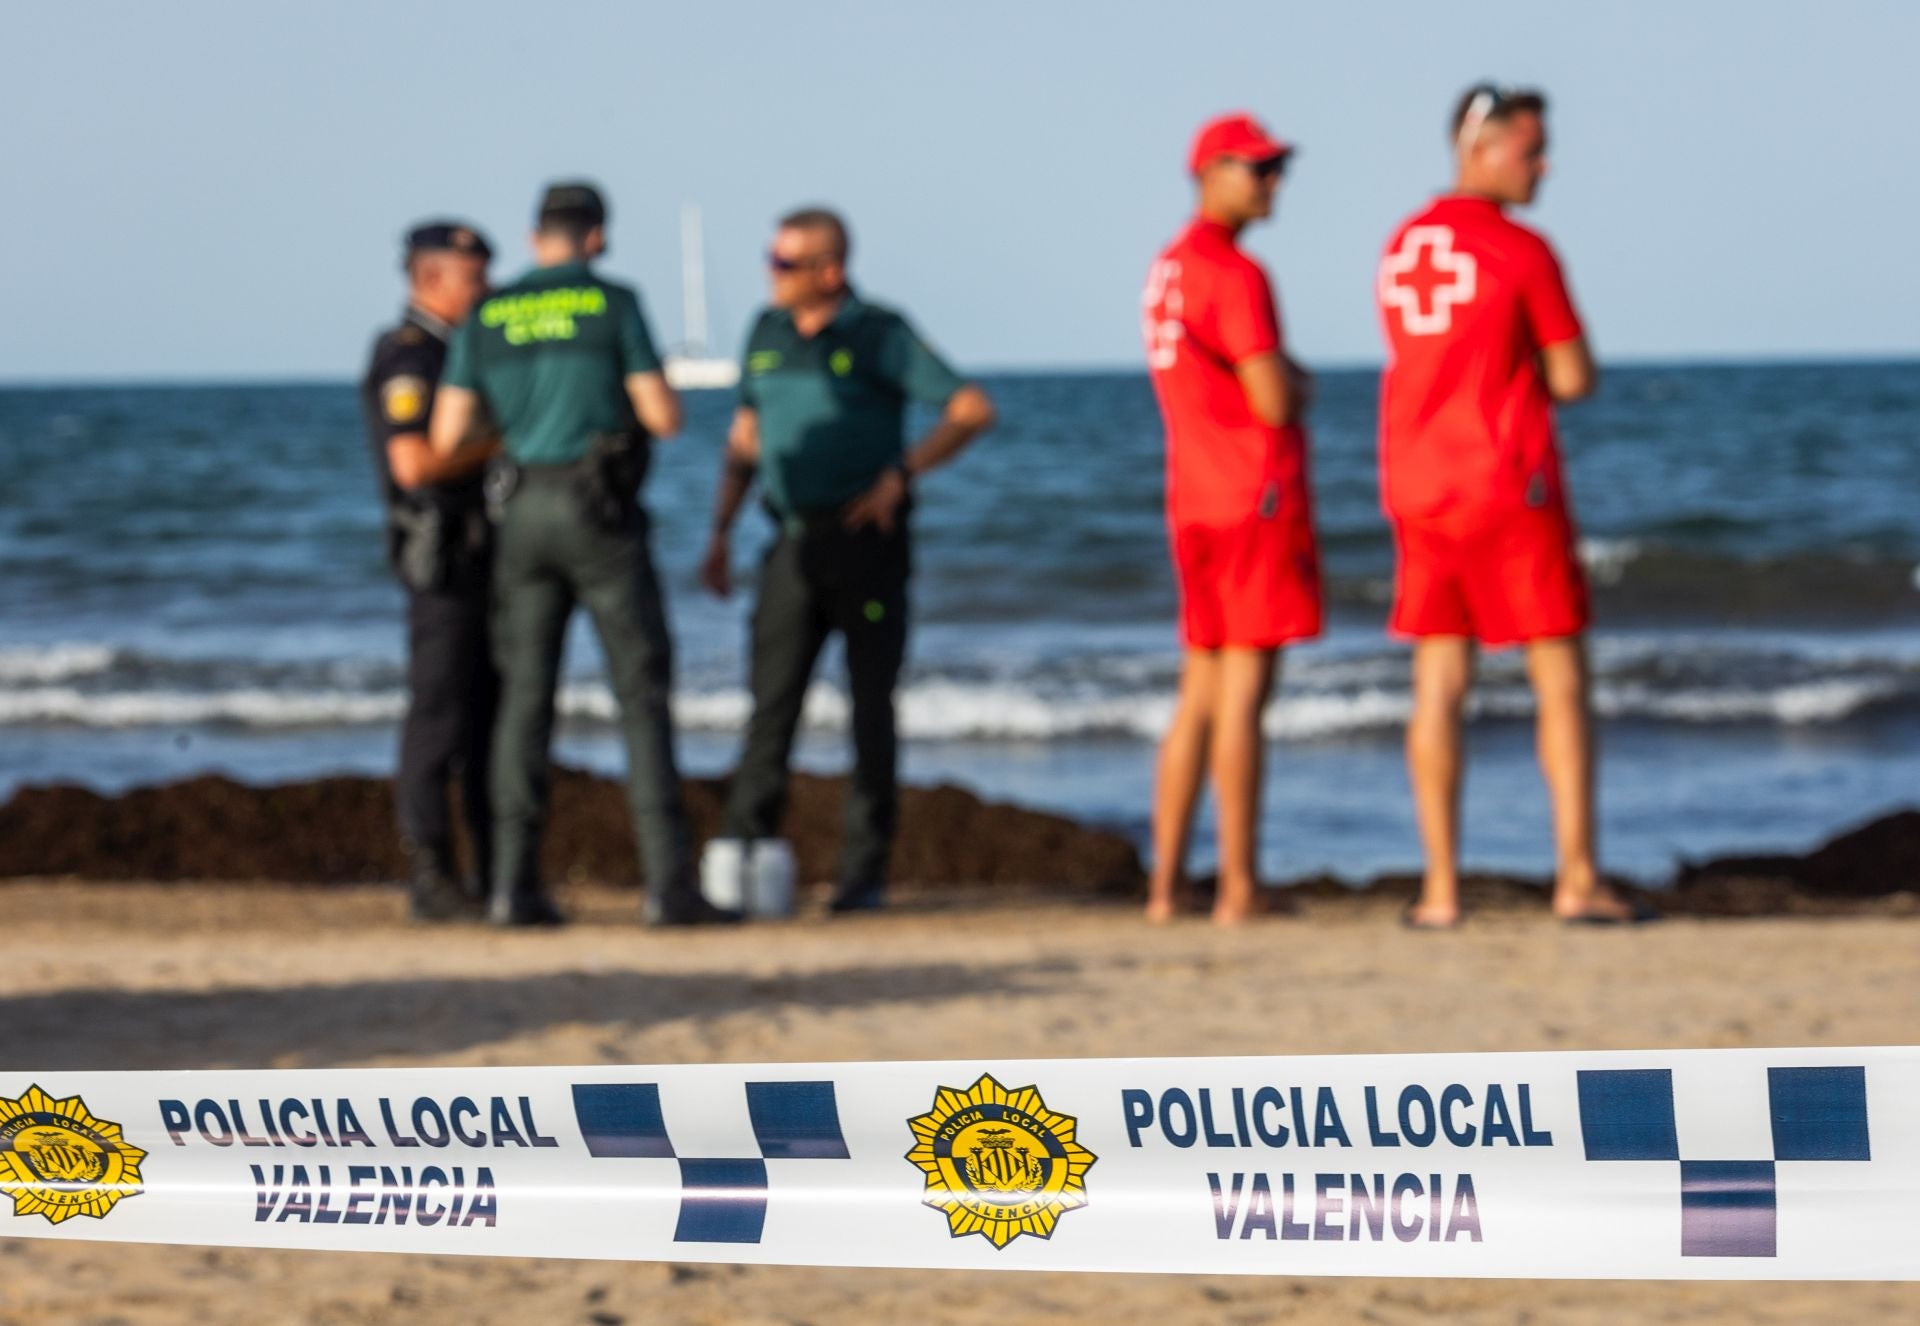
(818, 579)
(548, 560)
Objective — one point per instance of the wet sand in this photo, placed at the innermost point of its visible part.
(150, 976)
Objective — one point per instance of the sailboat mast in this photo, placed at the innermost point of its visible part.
(690, 367)
(693, 281)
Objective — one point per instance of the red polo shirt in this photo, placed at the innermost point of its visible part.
(1207, 307)
(1468, 299)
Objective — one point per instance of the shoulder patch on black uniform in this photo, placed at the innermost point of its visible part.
(409, 335)
(404, 399)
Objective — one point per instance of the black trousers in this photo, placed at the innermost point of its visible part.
(453, 691)
(818, 579)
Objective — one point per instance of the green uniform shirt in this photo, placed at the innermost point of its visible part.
(832, 407)
(550, 354)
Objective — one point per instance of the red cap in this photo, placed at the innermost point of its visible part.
(1235, 135)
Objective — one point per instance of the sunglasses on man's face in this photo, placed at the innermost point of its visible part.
(785, 265)
(1270, 169)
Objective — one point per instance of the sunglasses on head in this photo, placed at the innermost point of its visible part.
(1488, 101)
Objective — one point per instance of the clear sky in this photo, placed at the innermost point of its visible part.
(216, 190)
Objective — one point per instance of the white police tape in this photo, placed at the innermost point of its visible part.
(1692, 1164)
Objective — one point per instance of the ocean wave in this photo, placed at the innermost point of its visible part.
(1798, 705)
(1636, 578)
(1607, 560)
(245, 707)
(50, 663)
(1645, 579)
(1015, 689)
(938, 710)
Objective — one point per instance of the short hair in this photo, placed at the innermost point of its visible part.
(572, 208)
(822, 219)
(574, 226)
(1500, 104)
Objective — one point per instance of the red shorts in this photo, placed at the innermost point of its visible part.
(1511, 578)
(1255, 585)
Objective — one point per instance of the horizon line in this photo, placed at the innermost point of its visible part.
(1785, 358)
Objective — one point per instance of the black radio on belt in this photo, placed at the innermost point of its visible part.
(607, 479)
(436, 542)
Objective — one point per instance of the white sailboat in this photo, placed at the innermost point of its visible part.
(690, 366)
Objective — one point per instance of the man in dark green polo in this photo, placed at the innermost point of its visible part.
(562, 363)
(824, 390)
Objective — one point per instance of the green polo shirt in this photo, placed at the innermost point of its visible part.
(832, 407)
(551, 354)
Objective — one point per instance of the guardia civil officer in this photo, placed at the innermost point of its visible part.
(562, 364)
(438, 547)
(824, 390)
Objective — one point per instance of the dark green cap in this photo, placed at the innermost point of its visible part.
(573, 200)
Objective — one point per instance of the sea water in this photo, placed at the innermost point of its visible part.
(191, 579)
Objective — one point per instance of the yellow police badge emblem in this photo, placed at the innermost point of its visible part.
(57, 1160)
(405, 399)
(999, 1162)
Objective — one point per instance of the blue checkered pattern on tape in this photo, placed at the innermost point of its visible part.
(1728, 1208)
(722, 1200)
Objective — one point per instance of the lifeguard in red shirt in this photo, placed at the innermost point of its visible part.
(1482, 340)
(1238, 512)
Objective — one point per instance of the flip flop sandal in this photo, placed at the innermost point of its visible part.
(1641, 913)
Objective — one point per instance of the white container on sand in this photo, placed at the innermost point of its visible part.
(770, 872)
(755, 877)
(723, 873)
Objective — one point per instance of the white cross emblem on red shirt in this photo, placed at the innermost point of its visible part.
(1424, 278)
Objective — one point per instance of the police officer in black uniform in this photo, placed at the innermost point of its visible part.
(438, 545)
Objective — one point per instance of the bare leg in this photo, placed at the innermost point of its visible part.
(1246, 680)
(1442, 675)
(1183, 763)
(1558, 670)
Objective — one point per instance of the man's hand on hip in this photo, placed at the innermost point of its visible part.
(880, 504)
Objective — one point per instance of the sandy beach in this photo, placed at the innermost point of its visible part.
(152, 976)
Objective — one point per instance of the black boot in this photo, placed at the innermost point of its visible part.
(522, 903)
(681, 903)
(867, 897)
(433, 892)
(475, 883)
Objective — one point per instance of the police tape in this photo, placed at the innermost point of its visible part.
(1691, 1164)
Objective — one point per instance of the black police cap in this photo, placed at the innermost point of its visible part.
(447, 237)
(573, 200)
